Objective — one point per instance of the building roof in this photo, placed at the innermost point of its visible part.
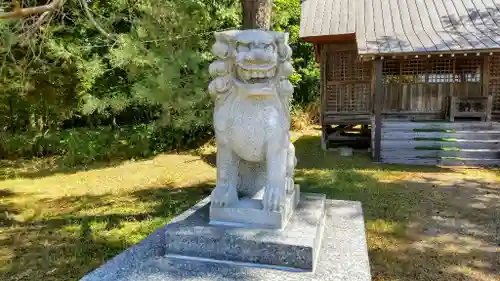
(406, 26)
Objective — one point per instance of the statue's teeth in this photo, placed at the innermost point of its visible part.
(247, 74)
(243, 74)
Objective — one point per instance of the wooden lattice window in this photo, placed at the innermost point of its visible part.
(494, 65)
(348, 87)
(361, 97)
(440, 70)
(362, 70)
(413, 71)
(348, 97)
(341, 66)
(494, 91)
(391, 72)
(329, 68)
(345, 66)
(494, 81)
(468, 70)
(334, 96)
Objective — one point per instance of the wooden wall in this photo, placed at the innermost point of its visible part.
(412, 87)
(423, 85)
(491, 81)
(346, 85)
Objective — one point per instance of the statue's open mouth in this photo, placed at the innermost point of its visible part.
(256, 74)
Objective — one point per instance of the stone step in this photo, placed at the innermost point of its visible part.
(462, 153)
(405, 125)
(401, 145)
(442, 161)
(470, 162)
(444, 136)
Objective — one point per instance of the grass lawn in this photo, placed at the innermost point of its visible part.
(421, 223)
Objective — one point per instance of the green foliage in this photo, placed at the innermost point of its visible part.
(71, 90)
(307, 88)
(83, 145)
(306, 77)
(159, 56)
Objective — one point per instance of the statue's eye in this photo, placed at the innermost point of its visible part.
(243, 48)
(269, 48)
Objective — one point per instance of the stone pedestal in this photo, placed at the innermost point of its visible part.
(296, 246)
(176, 251)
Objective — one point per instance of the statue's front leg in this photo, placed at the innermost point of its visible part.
(274, 194)
(291, 161)
(225, 192)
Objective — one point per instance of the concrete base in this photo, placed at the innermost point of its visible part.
(343, 255)
(249, 213)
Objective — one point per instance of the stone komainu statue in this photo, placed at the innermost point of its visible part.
(251, 117)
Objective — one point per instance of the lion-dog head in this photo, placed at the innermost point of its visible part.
(251, 72)
(254, 59)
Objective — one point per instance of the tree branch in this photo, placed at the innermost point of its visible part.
(34, 28)
(20, 13)
(86, 8)
(41, 20)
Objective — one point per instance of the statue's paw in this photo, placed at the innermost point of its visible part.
(218, 198)
(223, 196)
(273, 199)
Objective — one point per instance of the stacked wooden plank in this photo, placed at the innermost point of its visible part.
(441, 143)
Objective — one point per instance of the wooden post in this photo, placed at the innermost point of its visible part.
(377, 106)
(489, 107)
(485, 76)
(322, 84)
(485, 79)
(452, 108)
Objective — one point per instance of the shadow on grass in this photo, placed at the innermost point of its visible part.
(68, 245)
(417, 229)
(210, 159)
(7, 209)
(409, 223)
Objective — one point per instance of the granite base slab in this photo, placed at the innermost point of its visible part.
(343, 256)
(295, 246)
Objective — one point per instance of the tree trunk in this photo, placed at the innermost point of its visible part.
(257, 14)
